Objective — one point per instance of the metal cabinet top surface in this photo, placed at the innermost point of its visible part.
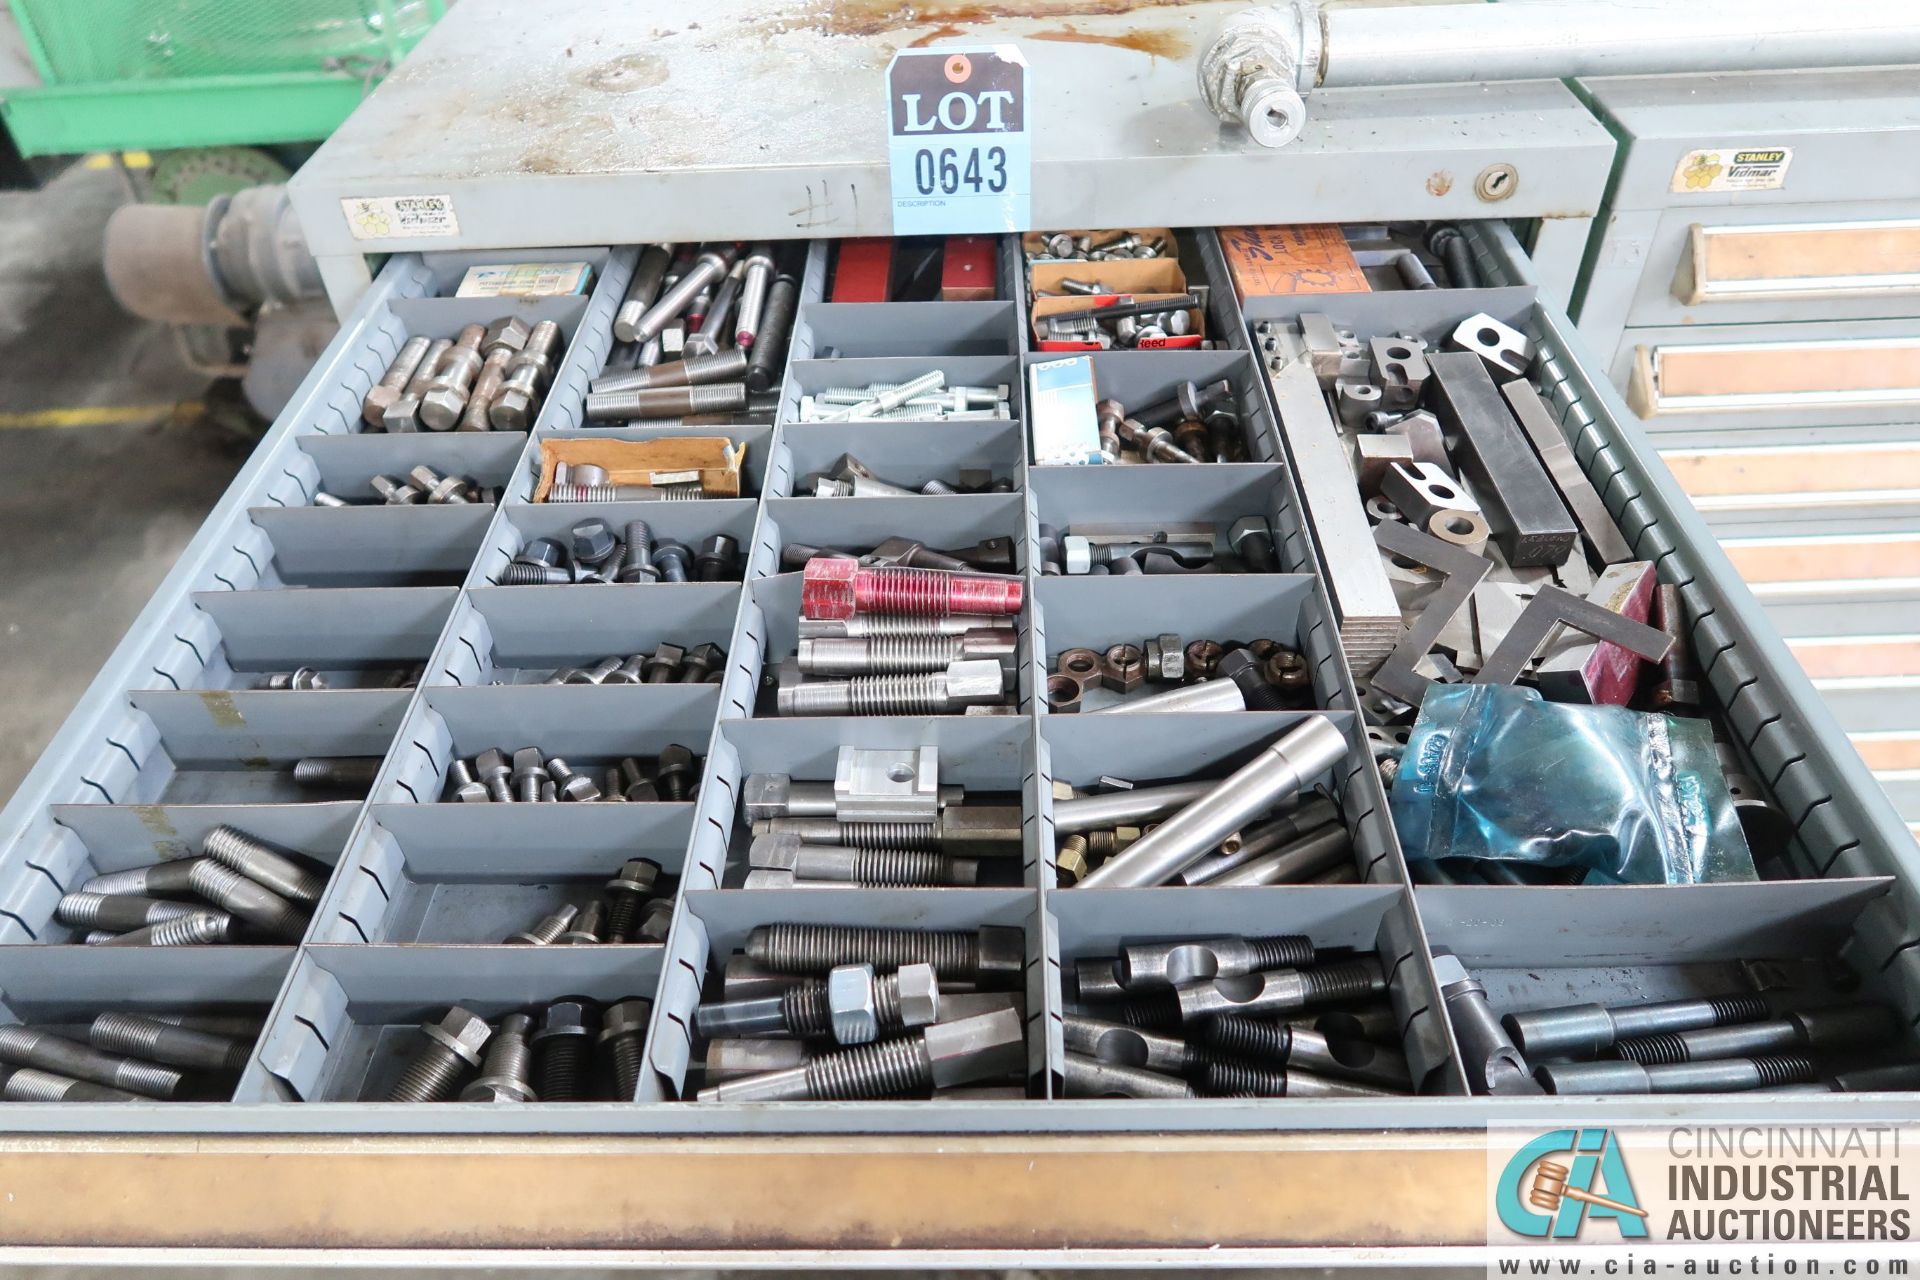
(1853, 132)
(765, 118)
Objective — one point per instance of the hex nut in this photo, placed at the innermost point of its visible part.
(1202, 657)
(462, 1031)
(1076, 554)
(1166, 658)
(1286, 670)
(1246, 527)
(853, 1003)
(918, 988)
(1082, 666)
(1123, 668)
(1063, 694)
(1072, 861)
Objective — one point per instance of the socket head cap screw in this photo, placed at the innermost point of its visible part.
(854, 1005)
(463, 1032)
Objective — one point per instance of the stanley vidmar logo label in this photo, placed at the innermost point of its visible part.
(1720, 1184)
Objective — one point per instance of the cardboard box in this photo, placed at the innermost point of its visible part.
(712, 460)
(1143, 279)
(1035, 242)
(1304, 258)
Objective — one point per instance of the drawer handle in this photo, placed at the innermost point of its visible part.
(1805, 260)
(1724, 377)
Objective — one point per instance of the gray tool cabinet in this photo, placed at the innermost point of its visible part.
(166, 745)
(1765, 337)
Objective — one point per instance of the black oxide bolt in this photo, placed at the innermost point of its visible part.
(622, 1037)
(673, 560)
(674, 772)
(563, 1048)
(718, 558)
(626, 892)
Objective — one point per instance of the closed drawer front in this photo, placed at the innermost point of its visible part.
(1819, 481)
(1894, 757)
(1814, 564)
(1807, 261)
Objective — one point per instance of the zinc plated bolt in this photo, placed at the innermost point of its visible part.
(622, 1034)
(394, 381)
(452, 1049)
(714, 262)
(261, 862)
(964, 683)
(505, 1073)
(626, 891)
(156, 1041)
(546, 930)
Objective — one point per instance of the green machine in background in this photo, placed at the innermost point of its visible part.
(170, 75)
(227, 97)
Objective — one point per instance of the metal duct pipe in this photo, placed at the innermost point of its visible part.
(1263, 59)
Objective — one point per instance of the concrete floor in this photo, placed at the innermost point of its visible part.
(92, 516)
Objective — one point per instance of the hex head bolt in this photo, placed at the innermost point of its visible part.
(1189, 400)
(588, 927)
(341, 773)
(487, 386)
(638, 566)
(718, 559)
(546, 930)
(713, 263)
(672, 559)
(1839, 1027)
(1278, 991)
(701, 660)
(853, 1004)
(1276, 1044)
(1285, 768)
(394, 381)
(446, 395)
(440, 490)
(505, 1074)
(656, 918)
(264, 864)
(1147, 966)
(622, 1035)
(527, 375)
(1154, 444)
(982, 1047)
(1585, 1030)
(1252, 540)
(1241, 1080)
(29, 1085)
(992, 956)
(494, 771)
(195, 929)
(729, 365)
(642, 289)
(529, 771)
(626, 892)
(452, 1050)
(963, 684)
(563, 1048)
(395, 493)
(142, 1037)
(29, 1047)
(674, 774)
(661, 665)
(403, 414)
(116, 912)
(837, 588)
(1719, 1075)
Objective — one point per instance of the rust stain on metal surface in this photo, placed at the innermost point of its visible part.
(1155, 44)
(625, 74)
(1440, 182)
(154, 818)
(221, 709)
(876, 17)
(946, 31)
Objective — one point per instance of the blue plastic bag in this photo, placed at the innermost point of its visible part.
(1494, 771)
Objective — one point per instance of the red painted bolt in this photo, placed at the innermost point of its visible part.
(839, 588)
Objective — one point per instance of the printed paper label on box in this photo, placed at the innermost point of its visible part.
(400, 217)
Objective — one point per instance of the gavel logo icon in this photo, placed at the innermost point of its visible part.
(1550, 1188)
